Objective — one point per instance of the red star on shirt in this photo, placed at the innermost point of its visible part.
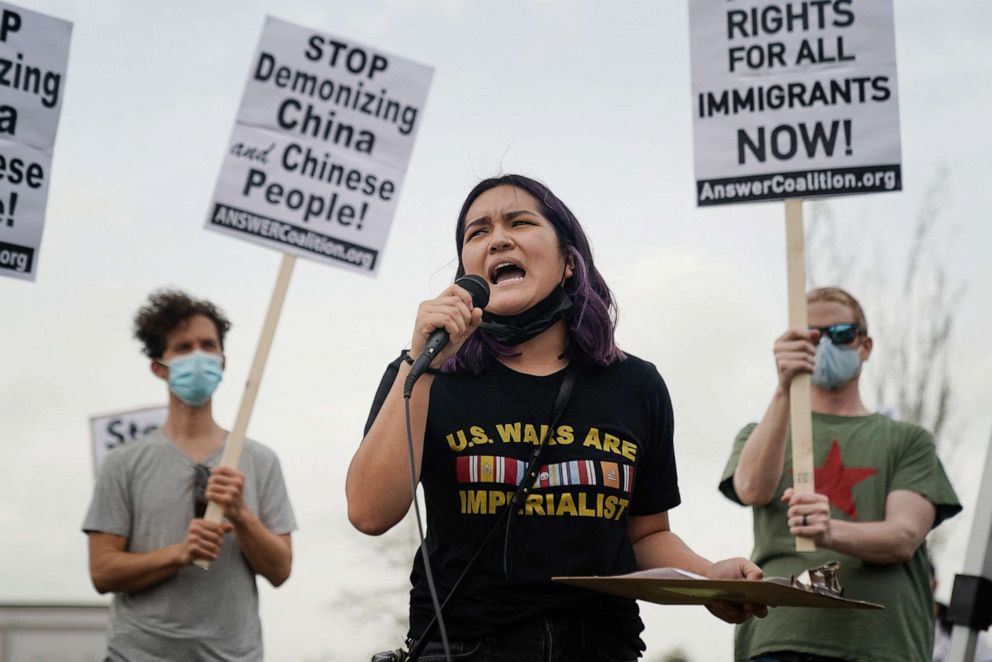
(835, 480)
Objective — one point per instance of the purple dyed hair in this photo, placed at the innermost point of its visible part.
(591, 326)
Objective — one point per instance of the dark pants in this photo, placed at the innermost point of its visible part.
(791, 656)
(545, 640)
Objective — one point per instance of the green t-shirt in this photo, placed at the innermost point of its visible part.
(858, 460)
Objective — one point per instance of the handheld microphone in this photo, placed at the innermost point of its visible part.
(479, 289)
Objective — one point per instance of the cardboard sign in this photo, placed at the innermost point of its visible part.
(793, 99)
(34, 52)
(321, 143)
(112, 430)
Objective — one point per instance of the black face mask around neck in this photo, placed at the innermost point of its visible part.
(515, 329)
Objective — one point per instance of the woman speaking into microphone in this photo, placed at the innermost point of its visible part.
(543, 450)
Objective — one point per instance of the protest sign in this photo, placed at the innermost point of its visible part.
(793, 99)
(321, 143)
(109, 431)
(314, 165)
(34, 53)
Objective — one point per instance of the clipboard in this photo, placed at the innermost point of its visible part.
(671, 586)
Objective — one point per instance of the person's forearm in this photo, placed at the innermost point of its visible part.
(268, 554)
(664, 549)
(875, 542)
(378, 483)
(126, 572)
(760, 466)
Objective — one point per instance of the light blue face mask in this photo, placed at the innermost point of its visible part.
(835, 365)
(194, 377)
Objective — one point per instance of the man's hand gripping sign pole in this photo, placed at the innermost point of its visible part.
(314, 165)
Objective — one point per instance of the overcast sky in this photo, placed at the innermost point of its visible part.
(591, 97)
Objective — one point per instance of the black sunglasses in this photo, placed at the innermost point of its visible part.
(840, 334)
(200, 478)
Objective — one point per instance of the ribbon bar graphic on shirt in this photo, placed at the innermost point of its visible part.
(505, 470)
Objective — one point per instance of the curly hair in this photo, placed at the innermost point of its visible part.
(165, 311)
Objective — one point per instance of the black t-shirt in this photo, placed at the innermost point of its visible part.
(609, 457)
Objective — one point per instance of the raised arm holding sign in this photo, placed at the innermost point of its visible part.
(880, 490)
(795, 100)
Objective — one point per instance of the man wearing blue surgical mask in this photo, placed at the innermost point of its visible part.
(145, 523)
(880, 488)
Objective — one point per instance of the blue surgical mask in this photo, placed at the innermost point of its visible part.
(193, 377)
(835, 366)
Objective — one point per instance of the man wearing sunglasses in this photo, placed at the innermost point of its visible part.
(145, 523)
(880, 488)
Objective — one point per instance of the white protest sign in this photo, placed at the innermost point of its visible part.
(109, 431)
(793, 99)
(34, 52)
(321, 144)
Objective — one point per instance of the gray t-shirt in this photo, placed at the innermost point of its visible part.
(145, 494)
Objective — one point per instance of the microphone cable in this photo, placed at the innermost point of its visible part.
(478, 288)
(420, 532)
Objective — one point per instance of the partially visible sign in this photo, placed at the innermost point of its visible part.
(34, 53)
(793, 99)
(112, 430)
(320, 147)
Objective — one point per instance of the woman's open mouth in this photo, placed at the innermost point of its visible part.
(506, 272)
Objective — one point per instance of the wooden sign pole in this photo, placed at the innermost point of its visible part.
(801, 417)
(236, 438)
